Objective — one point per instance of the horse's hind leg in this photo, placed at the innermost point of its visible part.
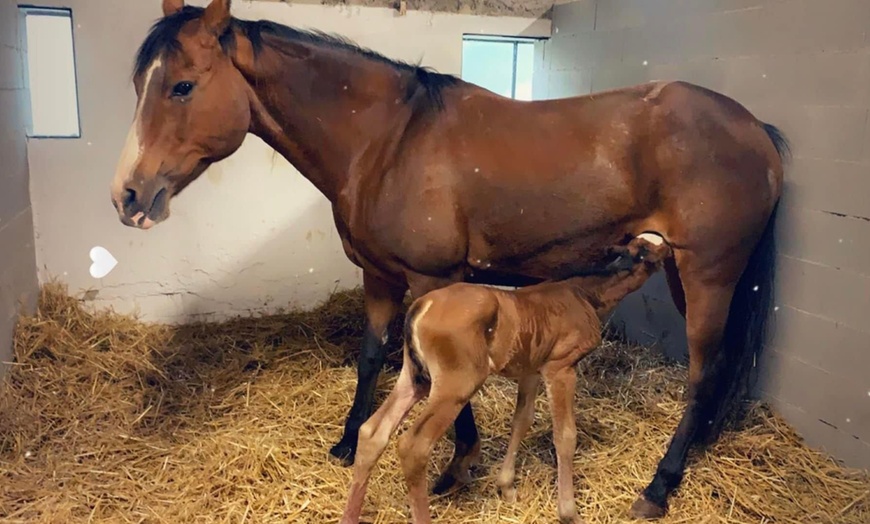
(729, 292)
(382, 303)
(721, 350)
(708, 301)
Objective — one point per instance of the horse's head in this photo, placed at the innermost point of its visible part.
(193, 109)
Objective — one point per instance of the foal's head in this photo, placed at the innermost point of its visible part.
(193, 109)
(647, 248)
(635, 262)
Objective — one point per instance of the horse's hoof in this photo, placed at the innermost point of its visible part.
(644, 509)
(458, 472)
(344, 453)
(446, 483)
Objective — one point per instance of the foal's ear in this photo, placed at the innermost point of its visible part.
(217, 16)
(623, 260)
(170, 7)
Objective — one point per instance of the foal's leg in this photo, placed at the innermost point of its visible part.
(560, 390)
(382, 302)
(416, 444)
(374, 436)
(466, 439)
(524, 415)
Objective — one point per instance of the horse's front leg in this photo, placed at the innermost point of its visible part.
(382, 302)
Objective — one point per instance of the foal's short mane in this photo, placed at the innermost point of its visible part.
(163, 37)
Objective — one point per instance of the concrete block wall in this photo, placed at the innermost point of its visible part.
(803, 65)
(524, 8)
(18, 287)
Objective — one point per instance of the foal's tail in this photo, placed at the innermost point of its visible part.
(745, 333)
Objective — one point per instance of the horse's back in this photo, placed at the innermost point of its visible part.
(535, 188)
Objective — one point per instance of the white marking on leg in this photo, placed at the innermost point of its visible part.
(132, 152)
(415, 336)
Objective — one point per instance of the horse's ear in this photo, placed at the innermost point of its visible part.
(170, 7)
(217, 16)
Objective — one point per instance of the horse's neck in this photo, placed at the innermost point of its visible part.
(330, 113)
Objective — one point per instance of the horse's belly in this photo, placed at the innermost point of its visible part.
(532, 254)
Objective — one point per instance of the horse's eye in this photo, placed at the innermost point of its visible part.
(182, 89)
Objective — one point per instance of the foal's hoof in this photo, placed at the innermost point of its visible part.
(344, 453)
(644, 509)
(508, 494)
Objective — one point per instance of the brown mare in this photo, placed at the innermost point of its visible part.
(435, 181)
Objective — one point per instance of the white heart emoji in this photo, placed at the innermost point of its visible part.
(103, 262)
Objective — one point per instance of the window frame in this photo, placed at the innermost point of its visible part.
(515, 41)
(25, 10)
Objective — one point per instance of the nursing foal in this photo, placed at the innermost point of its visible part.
(455, 337)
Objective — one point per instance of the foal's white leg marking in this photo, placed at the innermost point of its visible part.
(652, 238)
(132, 152)
(415, 337)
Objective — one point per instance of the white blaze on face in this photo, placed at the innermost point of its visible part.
(132, 152)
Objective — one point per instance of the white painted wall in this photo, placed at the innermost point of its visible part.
(252, 234)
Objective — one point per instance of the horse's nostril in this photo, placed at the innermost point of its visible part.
(159, 203)
(129, 197)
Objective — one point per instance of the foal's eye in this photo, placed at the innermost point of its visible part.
(182, 89)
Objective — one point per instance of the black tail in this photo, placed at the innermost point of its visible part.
(780, 142)
(746, 329)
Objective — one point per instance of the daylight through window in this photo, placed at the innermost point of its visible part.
(51, 75)
(502, 65)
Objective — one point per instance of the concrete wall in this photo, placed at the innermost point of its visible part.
(803, 65)
(526, 8)
(17, 263)
(209, 260)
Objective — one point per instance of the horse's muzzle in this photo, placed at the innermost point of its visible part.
(143, 205)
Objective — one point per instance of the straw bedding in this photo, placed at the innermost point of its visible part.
(106, 419)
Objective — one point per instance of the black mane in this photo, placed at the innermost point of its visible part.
(163, 37)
